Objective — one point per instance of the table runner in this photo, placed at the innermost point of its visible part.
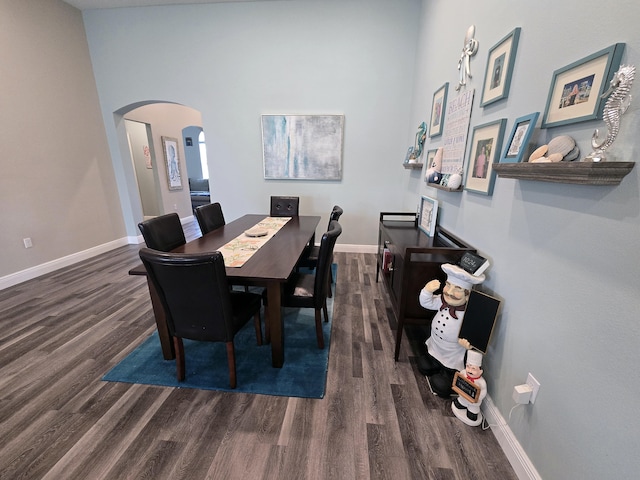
(240, 249)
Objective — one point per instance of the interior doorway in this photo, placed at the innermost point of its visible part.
(145, 169)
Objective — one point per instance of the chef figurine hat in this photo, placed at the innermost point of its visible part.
(474, 358)
(458, 276)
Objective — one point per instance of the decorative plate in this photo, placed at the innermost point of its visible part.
(256, 232)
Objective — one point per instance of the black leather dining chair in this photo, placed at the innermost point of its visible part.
(310, 256)
(198, 303)
(284, 206)
(209, 217)
(305, 290)
(163, 233)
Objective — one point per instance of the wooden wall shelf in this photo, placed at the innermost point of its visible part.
(582, 173)
(412, 166)
(446, 189)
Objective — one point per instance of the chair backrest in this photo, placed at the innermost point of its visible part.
(194, 292)
(336, 213)
(163, 233)
(284, 206)
(325, 256)
(209, 217)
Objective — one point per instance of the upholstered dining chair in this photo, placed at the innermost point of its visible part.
(310, 256)
(305, 290)
(284, 206)
(163, 233)
(198, 303)
(209, 217)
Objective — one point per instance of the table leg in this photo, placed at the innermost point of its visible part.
(166, 340)
(274, 315)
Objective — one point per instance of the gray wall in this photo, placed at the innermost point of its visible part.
(564, 256)
(57, 177)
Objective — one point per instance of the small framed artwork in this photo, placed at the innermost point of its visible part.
(172, 161)
(497, 77)
(427, 215)
(437, 111)
(518, 141)
(430, 155)
(486, 145)
(575, 94)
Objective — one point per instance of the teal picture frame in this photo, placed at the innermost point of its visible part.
(575, 93)
(499, 71)
(518, 140)
(485, 149)
(438, 107)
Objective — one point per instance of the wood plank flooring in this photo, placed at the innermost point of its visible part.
(61, 332)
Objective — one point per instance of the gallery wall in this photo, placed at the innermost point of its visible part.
(563, 256)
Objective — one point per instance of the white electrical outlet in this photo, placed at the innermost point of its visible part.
(27, 242)
(535, 386)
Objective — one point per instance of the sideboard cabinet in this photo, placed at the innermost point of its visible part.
(407, 259)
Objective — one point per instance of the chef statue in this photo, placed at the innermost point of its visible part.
(464, 409)
(445, 351)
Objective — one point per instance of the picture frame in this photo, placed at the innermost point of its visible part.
(302, 147)
(172, 162)
(575, 93)
(438, 107)
(518, 140)
(485, 149)
(427, 215)
(428, 160)
(500, 63)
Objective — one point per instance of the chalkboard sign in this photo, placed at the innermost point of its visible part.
(479, 319)
(465, 388)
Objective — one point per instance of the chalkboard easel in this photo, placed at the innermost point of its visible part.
(465, 388)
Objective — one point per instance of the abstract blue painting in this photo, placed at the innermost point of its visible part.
(302, 147)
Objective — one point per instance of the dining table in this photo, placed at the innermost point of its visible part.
(269, 267)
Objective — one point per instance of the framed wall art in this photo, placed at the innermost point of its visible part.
(497, 77)
(302, 147)
(431, 169)
(172, 161)
(437, 111)
(575, 94)
(518, 141)
(486, 145)
(427, 215)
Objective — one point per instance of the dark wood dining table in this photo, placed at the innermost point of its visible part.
(269, 267)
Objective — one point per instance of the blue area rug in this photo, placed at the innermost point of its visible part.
(304, 373)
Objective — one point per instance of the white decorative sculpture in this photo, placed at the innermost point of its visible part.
(617, 104)
(469, 49)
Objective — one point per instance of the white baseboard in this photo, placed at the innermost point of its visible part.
(48, 267)
(348, 248)
(508, 442)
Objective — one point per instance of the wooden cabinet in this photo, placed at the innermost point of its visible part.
(407, 260)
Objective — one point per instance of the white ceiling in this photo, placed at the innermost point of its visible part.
(88, 4)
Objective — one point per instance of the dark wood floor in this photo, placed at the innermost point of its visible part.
(61, 332)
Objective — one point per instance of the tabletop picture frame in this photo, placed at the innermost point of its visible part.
(438, 108)
(500, 63)
(518, 140)
(486, 146)
(427, 215)
(172, 162)
(575, 93)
